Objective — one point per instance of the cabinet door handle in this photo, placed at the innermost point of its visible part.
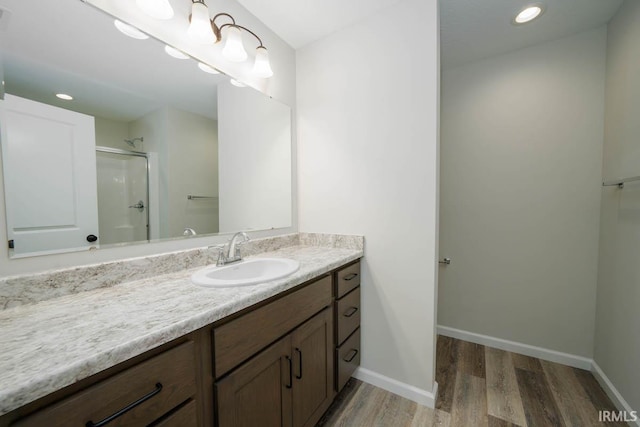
(290, 372)
(126, 409)
(349, 359)
(350, 312)
(350, 277)
(299, 375)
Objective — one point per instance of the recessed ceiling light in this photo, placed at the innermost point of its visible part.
(129, 30)
(64, 96)
(172, 51)
(237, 83)
(528, 14)
(207, 69)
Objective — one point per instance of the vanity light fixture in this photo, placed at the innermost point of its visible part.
(178, 54)
(208, 31)
(129, 30)
(207, 69)
(64, 96)
(158, 9)
(528, 14)
(237, 83)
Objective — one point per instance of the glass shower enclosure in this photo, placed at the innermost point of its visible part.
(123, 195)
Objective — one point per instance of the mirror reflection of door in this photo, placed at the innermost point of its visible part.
(123, 201)
(57, 209)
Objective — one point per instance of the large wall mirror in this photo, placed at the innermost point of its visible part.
(153, 145)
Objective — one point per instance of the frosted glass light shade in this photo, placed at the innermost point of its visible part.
(233, 48)
(129, 30)
(158, 9)
(262, 67)
(200, 28)
(528, 14)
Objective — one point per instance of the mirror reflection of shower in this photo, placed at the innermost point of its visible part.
(123, 194)
(132, 142)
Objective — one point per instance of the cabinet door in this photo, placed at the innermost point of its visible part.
(258, 393)
(312, 368)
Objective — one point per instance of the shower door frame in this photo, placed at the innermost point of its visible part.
(121, 152)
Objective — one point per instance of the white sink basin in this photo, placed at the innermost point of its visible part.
(244, 273)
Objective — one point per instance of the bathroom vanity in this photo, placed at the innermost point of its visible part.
(164, 352)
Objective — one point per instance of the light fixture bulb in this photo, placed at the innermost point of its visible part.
(207, 69)
(129, 30)
(237, 83)
(261, 66)
(528, 14)
(200, 28)
(172, 51)
(158, 9)
(233, 48)
(64, 96)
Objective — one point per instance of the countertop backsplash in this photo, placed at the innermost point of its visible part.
(33, 288)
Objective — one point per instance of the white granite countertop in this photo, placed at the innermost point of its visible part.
(52, 344)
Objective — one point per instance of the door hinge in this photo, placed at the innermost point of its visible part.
(11, 244)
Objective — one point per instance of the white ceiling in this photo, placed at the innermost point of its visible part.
(473, 30)
(470, 29)
(300, 22)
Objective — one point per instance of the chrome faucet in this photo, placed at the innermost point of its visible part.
(233, 251)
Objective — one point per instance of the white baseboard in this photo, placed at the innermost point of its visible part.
(418, 395)
(612, 392)
(516, 347)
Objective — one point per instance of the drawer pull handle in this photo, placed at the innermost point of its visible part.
(353, 355)
(290, 372)
(350, 312)
(299, 376)
(126, 409)
(350, 277)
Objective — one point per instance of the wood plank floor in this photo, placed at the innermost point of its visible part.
(481, 386)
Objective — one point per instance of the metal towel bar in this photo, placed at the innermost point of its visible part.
(620, 182)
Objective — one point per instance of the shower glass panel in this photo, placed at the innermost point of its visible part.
(123, 199)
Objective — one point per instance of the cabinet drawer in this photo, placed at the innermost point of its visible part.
(183, 417)
(348, 359)
(166, 380)
(348, 314)
(347, 279)
(243, 337)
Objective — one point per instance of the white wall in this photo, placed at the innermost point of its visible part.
(521, 161)
(255, 158)
(281, 86)
(368, 155)
(617, 342)
(111, 133)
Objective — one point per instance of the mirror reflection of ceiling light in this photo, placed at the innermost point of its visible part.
(236, 83)
(207, 69)
(158, 9)
(172, 51)
(528, 14)
(130, 31)
(64, 96)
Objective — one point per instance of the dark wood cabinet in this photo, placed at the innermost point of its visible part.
(347, 323)
(312, 345)
(259, 392)
(288, 384)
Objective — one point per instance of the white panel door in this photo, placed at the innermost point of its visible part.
(49, 164)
